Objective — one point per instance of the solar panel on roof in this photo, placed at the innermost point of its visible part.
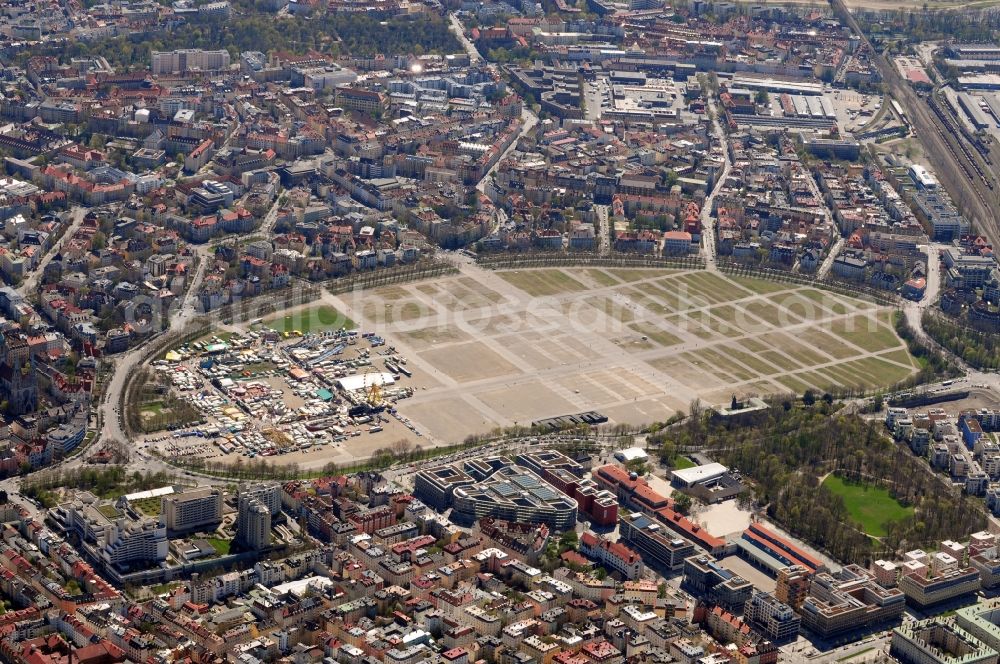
(544, 493)
(505, 489)
(721, 571)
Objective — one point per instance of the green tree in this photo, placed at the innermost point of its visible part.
(682, 503)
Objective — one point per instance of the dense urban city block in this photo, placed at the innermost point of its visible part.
(536, 332)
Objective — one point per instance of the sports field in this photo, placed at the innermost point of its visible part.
(499, 348)
(872, 507)
(314, 319)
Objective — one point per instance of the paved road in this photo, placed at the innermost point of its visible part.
(528, 118)
(270, 219)
(603, 230)
(528, 122)
(827, 265)
(707, 219)
(129, 362)
(459, 30)
(30, 282)
(914, 311)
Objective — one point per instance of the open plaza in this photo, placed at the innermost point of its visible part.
(637, 345)
(485, 349)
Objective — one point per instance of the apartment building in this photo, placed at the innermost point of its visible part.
(981, 621)
(253, 523)
(186, 60)
(793, 585)
(924, 590)
(193, 510)
(434, 486)
(616, 556)
(848, 600)
(771, 617)
(269, 494)
(938, 641)
(659, 547)
(127, 542)
(515, 494)
(704, 577)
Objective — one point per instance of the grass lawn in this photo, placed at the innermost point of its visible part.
(601, 277)
(752, 361)
(149, 506)
(109, 511)
(655, 334)
(794, 384)
(864, 332)
(682, 462)
(314, 319)
(223, 336)
(164, 587)
(254, 369)
(872, 507)
(769, 313)
(859, 653)
(638, 274)
(221, 546)
(612, 309)
(874, 372)
(724, 365)
(827, 300)
(543, 282)
(696, 293)
(721, 288)
(762, 286)
(153, 408)
(782, 362)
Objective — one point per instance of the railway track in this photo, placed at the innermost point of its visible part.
(954, 130)
(972, 188)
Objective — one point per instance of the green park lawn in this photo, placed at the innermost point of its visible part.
(872, 507)
(315, 319)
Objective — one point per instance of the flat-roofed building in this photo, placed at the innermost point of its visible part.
(793, 585)
(130, 542)
(704, 577)
(704, 473)
(923, 591)
(938, 641)
(771, 617)
(982, 621)
(514, 494)
(767, 548)
(193, 510)
(658, 547)
(434, 486)
(848, 600)
(987, 562)
(189, 59)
